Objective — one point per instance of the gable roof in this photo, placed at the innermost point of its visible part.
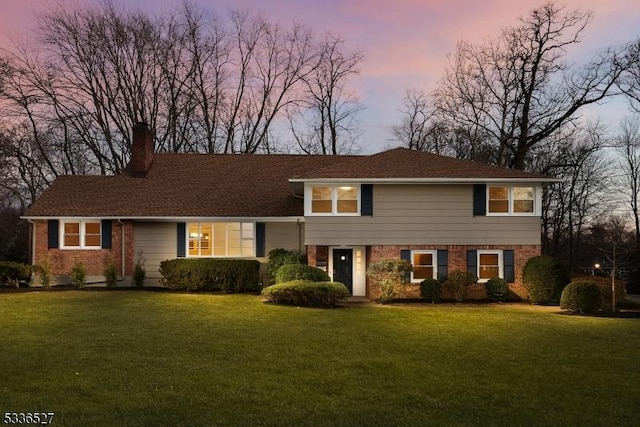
(406, 164)
(245, 185)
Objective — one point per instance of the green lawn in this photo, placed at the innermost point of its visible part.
(149, 358)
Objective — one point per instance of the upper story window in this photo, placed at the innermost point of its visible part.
(332, 200)
(81, 234)
(221, 239)
(511, 200)
(321, 199)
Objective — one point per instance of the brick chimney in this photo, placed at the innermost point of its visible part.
(141, 151)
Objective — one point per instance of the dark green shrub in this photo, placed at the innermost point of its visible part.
(226, 275)
(110, 275)
(430, 290)
(457, 282)
(497, 289)
(139, 272)
(279, 257)
(78, 275)
(14, 273)
(391, 276)
(544, 278)
(289, 272)
(582, 297)
(306, 294)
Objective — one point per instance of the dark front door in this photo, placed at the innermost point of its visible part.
(343, 267)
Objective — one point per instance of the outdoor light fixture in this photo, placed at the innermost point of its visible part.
(613, 284)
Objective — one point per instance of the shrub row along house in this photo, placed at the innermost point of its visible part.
(347, 212)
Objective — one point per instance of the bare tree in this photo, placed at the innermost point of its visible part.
(414, 132)
(328, 110)
(582, 194)
(628, 143)
(518, 89)
(629, 83)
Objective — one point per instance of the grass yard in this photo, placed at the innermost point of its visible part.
(133, 358)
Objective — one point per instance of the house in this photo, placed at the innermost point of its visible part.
(345, 211)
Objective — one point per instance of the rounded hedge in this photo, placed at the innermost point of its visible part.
(430, 290)
(279, 257)
(289, 272)
(306, 294)
(581, 296)
(497, 289)
(544, 277)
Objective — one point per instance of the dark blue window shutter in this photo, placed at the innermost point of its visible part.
(479, 199)
(53, 233)
(443, 264)
(260, 239)
(472, 262)
(509, 266)
(106, 233)
(182, 244)
(405, 254)
(366, 204)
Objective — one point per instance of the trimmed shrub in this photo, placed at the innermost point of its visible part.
(391, 275)
(279, 257)
(139, 272)
(290, 272)
(582, 297)
(604, 283)
(457, 282)
(13, 273)
(110, 275)
(544, 278)
(306, 294)
(44, 270)
(497, 289)
(430, 290)
(226, 275)
(78, 275)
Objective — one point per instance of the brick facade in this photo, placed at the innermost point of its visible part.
(457, 260)
(95, 260)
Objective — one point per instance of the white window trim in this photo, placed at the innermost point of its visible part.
(537, 200)
(490, 252)
(242, 238)
(308, 199)
(434, 255)
(83, 223)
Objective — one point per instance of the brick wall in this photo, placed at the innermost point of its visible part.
(315, 253)
(457, 261)
(95, 260)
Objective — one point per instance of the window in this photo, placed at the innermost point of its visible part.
(321, 200)
(498, 200)
(489, 265)
(506, 200)
(424, 265)
(221, 239)
(333, 200)
(347, 200)
(523, 199)
(81, 234)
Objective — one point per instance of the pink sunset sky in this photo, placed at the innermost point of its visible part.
(405, 42)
